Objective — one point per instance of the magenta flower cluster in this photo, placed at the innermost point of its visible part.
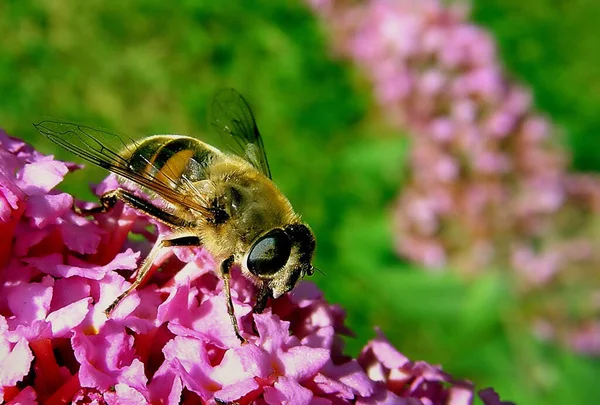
(486, 185)
(171, 342)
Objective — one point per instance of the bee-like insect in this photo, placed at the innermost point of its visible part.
(222, 200)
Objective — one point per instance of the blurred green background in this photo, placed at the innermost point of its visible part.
(144, 67)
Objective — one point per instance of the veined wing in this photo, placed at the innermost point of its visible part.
(233, 119)
(112, 152)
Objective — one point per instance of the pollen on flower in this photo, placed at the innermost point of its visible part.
(92, 329)
(171, 341)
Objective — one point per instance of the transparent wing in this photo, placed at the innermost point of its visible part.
(112, 151)
(232, 118)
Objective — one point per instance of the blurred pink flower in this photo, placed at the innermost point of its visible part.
(487, 186)
(171, 341)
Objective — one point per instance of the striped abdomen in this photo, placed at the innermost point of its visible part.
(170, 158)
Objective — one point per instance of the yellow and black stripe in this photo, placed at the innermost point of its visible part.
(166, 158)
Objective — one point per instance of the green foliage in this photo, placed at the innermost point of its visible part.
(143, 67)
(552, 46)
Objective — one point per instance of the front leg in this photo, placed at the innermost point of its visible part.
(107, 202)
(226, 272)
(144, 269)
(264, 293)
(110, 198)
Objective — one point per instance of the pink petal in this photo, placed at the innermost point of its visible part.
(9, 164)
(460, 395)
(9, 143)
(109, 288)
(178, 305)
(46, 264)
(80, 239)
(53, 265)
(303, 362)
(108, 184)
(41, 177)
(201, 387)
(13, 275)
(202, 263)
(213, 324)
(166, 386)
(272, 331)
(65, 319)
(235, 391)
(134, 376)
(88, 396)
(383, 396)
(328, 385)
(38, 329)
(124, 395)
(287, 392)
(8, 203)
(123, 261)
(143, 318)
(15, 366)
(27, 237)
(45, 209)
(255, 360)
(386, 353)
(189, 254)
(305, 294)
(490, 397)
(30, 302)
(4, 343)
(231, 369)
(351, 375)
(68, 291)
(190, 361)
(108, 358)
(322, 337)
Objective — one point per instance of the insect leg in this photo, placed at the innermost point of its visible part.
(225, 270)
(261, 300)
(109, 199)
(189, 240)
(264, 293)
(107, 202)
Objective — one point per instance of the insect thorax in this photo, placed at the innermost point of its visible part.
(253, 203)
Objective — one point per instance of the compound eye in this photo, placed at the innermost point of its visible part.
(270, 253)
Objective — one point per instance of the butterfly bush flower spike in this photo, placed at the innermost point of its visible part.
(487, 186)
(171, 341)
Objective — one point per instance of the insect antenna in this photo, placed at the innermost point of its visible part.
(320, 271)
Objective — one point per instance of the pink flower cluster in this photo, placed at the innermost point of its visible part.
(486, 186)
(170, 342)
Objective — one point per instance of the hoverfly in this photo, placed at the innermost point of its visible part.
(222, 200)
